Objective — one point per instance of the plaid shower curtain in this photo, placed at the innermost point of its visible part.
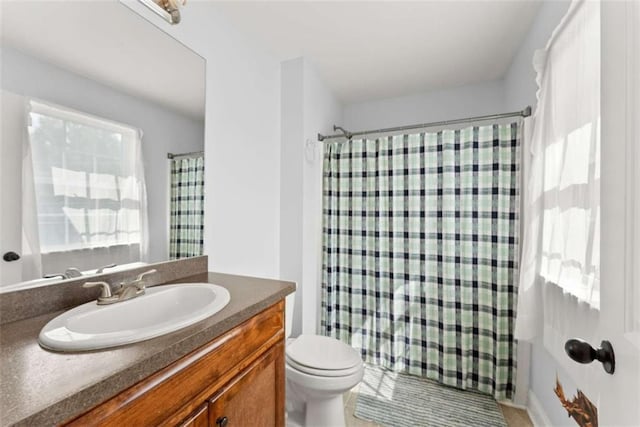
(420, 253)
(186, 226)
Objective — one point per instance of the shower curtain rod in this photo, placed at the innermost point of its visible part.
(191, 154)
(346, 134)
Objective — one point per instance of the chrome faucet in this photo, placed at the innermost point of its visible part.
(126, 291)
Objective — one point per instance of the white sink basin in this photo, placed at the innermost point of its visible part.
(161, 310)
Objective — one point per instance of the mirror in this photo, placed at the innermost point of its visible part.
(102, 162)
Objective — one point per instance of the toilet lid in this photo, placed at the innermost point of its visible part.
(324, 372)
(323, 353)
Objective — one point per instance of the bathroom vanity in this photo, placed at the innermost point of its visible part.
(236, 379)
(225, 370)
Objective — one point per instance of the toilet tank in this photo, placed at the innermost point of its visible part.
(290, 303)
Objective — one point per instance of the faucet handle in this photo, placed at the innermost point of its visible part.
(106, 289)
(141, 275)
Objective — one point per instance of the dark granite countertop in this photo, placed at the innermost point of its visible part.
(40, 387)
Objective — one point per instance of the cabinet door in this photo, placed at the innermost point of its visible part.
(255, 397)
(200, 418)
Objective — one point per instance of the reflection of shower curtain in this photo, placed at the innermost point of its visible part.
(420, 253)
(187, 207)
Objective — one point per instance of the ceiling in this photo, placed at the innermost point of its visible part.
(363, 50)
(372, 50)
(107, 42)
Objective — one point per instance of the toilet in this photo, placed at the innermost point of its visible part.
(319, 370)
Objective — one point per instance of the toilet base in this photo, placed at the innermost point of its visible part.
(294, 419)
(325, 412)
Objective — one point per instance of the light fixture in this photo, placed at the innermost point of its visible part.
(169, 10)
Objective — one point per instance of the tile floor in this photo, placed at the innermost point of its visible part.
(515, 417)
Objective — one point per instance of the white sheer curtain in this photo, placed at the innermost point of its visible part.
(559, 278)
(84, 199)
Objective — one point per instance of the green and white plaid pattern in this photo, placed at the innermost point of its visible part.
(420, 253)
(187, 208)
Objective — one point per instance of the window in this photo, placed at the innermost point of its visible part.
(88, 180)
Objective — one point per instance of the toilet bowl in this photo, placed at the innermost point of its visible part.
(318, 371)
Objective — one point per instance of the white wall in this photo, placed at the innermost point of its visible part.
(520, 79)
(242, 141)
(520, 89)
(321, 111)
(291, 182)
(164, 130)
(308, 107)
(446, 104)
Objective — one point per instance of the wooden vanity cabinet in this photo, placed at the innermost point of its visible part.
(236, 380)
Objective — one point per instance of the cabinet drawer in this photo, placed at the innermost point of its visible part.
(171, 394)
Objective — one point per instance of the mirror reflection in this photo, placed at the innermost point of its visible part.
(102, 165)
